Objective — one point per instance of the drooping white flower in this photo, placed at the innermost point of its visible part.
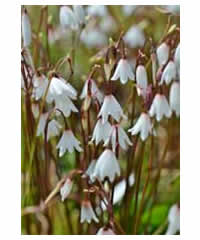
(58, 87)
(134, 37)
(119, 192)
(141, 80)
(68, 142)
(174, 98)
(160, 107)
(87, 212)
(40, 84)
(95, 92)
(106, 166)
(174, 220)
(94, 38)
(67, 18)
(173, 9)
(101, 131)
(128, 9)
(26, 29)
(65, 105)
(79, 13)
(162, 54)
(90, 170)
(97, 10)
(66, 189)
(169, 73)
(177, 59)
(111, 107)
(118, 132)
(62, 93)
(142, 126)
(105, 231)
(123, 72)
(53, 129)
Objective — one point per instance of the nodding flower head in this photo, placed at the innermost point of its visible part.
(111, 107)
(68, 142)
(40, 84)
(66, 189)
(123, 72)
(142, 126)
(118, 136)
(90, 87)
(26, 29)
(136, 33)
(160, 107)
(169, 73)
(67, 18)
(87, 212)
(162, 54)
(107, 166)
(101, 131)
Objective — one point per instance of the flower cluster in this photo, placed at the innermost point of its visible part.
(103, 124)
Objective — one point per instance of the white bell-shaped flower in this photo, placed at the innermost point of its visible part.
(79, 13)
(141, 80)
(26, 29)
(105, 231)
(68, 142)
(162, 54)
(53, 127)
(67, 18)
(160, 107)
(123, 72)
(123, 140)
(174, 220)
(90, 170)
(40, 84)
(169, 73)
(134, 37)
(101, 131)
(142, 126)
(58, 87)
(65, 105)
(107, 166)
(95, 92)
(111, 107)
(87, 212)
(119, 192)
(108, 25)
(174, 98)
(65, 190)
